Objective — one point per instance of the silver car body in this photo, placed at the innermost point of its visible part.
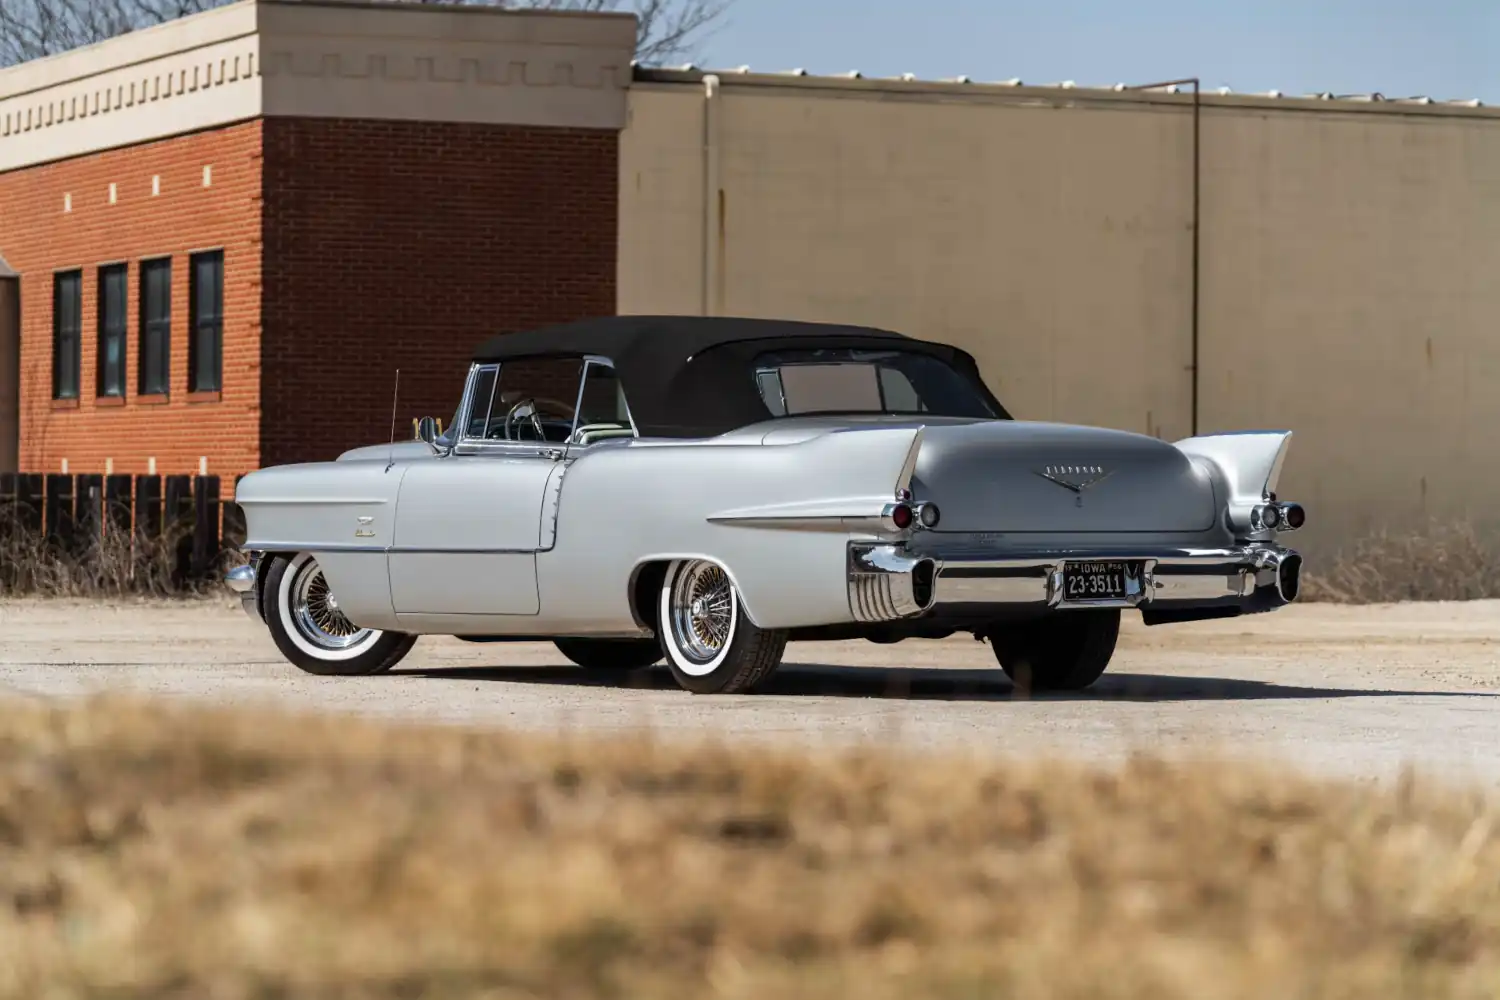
(544, 539)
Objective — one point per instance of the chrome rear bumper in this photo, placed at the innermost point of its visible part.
(887, 583)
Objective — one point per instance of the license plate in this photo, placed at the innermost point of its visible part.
(1099, 581)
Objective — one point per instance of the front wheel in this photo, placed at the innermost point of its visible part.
(1066, 651)
(712, 646)
(312, 632)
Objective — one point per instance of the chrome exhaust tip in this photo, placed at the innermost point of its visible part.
(1289, 577)
(923, 583)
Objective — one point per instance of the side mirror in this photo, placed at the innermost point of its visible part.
(427, 430)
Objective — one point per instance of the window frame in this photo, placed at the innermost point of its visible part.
(765, 370)
(145, 268)
(214, 323)
(104, 333)
(59, 278)
(464, 444)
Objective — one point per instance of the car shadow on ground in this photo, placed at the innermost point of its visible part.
(915, 684)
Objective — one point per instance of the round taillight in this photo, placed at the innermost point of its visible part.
(930, 515)
(1295, 516)
(901, 516)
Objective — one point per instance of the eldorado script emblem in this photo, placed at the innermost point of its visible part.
(1075, 477)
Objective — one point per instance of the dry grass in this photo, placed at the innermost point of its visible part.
(114, 565)
(1445, 561)
(147, 852)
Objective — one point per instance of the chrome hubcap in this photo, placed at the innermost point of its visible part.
(702, 611)
(316, 612)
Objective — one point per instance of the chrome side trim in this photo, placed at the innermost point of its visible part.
(315, 548)
(886, 584)
(318, 501)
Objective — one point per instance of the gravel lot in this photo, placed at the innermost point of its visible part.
(1352, 691)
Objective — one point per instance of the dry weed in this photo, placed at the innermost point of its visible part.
(177, 853)
(1444, 561)
(111, 565)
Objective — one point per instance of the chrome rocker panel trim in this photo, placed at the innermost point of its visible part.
(887, 583)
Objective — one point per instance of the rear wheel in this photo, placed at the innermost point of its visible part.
(311, 630)
(610, 654)
(1066, 651)
(712, 646)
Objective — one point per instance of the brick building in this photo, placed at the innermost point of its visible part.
(221, 237)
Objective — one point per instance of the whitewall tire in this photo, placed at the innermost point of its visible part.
(711, 645)
(313, 633)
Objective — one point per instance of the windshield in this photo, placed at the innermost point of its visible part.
(847, 380)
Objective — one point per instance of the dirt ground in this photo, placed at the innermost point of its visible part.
(1340, 690)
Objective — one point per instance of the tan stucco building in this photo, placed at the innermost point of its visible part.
(1344, 273)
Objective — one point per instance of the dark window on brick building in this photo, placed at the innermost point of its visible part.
(156, 327)
(206, 309)
(67, 316)
(111, 357)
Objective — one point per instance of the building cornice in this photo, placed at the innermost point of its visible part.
(319, 58)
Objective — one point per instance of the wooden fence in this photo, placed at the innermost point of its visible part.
(75, 513)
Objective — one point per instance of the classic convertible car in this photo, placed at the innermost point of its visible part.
(702, 491)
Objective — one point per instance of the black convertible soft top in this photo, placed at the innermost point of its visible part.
(693, 376)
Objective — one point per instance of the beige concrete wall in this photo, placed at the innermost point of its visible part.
(1051, 244)
(1350, 292)
(10, 373)
(1347, 262)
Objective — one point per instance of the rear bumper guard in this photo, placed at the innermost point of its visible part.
(887, 583)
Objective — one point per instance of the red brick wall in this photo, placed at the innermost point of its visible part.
(37, 237)
(406, 244)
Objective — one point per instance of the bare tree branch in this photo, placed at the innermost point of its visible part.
(31, 29)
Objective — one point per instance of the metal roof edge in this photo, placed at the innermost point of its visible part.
(1065, 91)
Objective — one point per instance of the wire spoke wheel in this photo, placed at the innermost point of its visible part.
(312, 629)
(711, 644)
(316, 613)
(703, 612)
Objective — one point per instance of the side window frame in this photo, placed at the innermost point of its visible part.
(595, 361)
(466, 444)
(463, 441)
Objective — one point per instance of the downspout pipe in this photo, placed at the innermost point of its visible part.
(1197, 217)
(712, 223)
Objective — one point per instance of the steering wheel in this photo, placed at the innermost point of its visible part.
(513, 415)
(519, 412)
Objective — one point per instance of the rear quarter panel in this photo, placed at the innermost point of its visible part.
(623, 506)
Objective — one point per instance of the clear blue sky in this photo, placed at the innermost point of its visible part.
(1445, 49)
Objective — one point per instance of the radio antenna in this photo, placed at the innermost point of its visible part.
(395, 397)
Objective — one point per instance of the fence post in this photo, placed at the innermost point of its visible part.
(117, 497)
(59, 512)
(177, 521)
(88, 512)
(10, 530)
(30, 491)
(148, 507)
(234, 520)
(205, 525)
